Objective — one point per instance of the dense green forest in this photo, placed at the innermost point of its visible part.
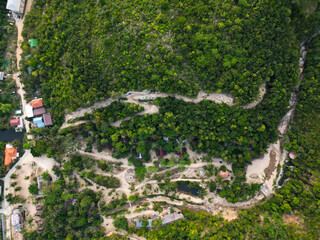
(299, 198)
(89, 50)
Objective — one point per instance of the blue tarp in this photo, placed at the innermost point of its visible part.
(40, 125)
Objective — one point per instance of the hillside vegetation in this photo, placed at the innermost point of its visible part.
(88, 49)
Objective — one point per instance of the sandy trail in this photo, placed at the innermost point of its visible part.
(262, 92)
(133, 97)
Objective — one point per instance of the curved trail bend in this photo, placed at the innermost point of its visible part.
(134, 97)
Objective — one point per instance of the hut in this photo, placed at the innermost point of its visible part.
(224, 174)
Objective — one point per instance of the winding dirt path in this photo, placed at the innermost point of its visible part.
(133, 97)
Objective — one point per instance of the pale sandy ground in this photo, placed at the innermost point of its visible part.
(256, 171)
(218, 98)
(262, 92)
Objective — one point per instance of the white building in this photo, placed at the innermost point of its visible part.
(17, 7)
(29, 111)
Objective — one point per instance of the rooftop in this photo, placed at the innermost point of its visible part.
(39, 111)
(37, 103)
(11, 153)
(47, 119)
(224, 174)
(14, 122)
(15, 5)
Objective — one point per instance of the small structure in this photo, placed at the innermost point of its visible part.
(11, 153)
(40, 185)
(17, 7)
(18, 112)
(139, 156)
(224, 174)
(29, 111)
(38, 121)
(1, 76)
(17, 220)
(292, 155)
(33, 43)
(47, 119)
(39, 111)
(169, 218)
(14, 122)
(139, 223)
(36, 103)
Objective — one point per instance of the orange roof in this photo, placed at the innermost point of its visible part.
(14, 122)
(224, 174)
(10, 154)
(36, 103)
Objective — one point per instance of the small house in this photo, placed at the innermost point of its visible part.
(36, 103)
(11, 154)
(224, 174)
(39, 111)
(38, 121)
(17, 7)
(47, 119)
(139, 156)
(14, 122)
(169, 218)
(17, 220)
(1, 76)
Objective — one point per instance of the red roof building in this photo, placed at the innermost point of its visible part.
(37, 103)
(14, 122)
(10, 154)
